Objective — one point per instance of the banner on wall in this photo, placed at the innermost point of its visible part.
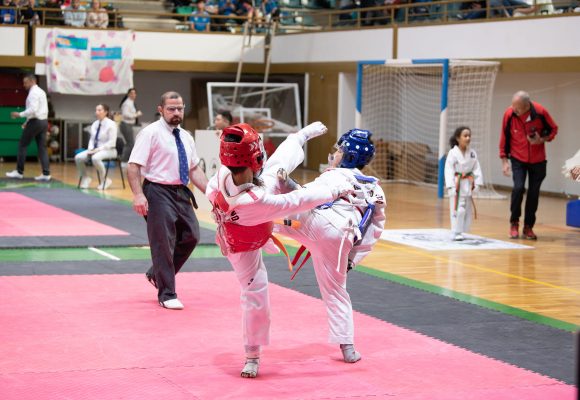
(89, 62)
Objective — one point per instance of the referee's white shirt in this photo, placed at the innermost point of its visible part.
(36, 104)
(155, 151)
(107, 134)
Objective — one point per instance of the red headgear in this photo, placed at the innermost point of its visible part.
(248, 152)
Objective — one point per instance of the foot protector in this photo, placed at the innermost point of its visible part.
(349, 354)
(251, 368)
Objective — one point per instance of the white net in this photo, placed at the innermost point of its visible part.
(272, 108)
(401, 105)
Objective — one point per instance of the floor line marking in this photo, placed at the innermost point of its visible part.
(441, 258)
(104, 254)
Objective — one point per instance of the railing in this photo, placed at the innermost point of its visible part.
(304, 19)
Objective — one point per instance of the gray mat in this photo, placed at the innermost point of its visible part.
(106, 211)
(535, 347)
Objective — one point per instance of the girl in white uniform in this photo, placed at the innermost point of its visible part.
(341, 233)
(244, 207)
(462, 178)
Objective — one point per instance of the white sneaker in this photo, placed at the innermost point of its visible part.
(43, 178)
(14, 174)
(172, 304)
(86, 182)
(458, 237)
(106, 184)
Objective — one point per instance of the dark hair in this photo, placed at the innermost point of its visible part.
(30, 76)
(168, 95)
(227, 115)
(126, 96)
(105, 107)
(453, 140)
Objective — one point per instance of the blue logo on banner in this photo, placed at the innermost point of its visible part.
(72, 42)
(106, 53)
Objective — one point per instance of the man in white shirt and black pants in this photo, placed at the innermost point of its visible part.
(165, 156)
(35, 127)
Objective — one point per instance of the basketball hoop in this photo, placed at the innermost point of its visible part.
(262, 125)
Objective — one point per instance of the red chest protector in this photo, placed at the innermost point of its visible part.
(238, 238)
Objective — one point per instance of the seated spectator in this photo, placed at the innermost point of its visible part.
(97, 17)
(511, 6)
(8, 15)
(472, 10)
(540, 7)
(53, 17)
(28, 15)
(345, 5)
(270, 10)
(75, 15)
(244, 9)
(199, 20)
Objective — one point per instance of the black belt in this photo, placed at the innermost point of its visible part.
(175, 187)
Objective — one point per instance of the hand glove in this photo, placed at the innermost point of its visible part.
(342, 189)
(451, 192)
(313, 130)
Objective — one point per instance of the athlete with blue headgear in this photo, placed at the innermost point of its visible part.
(339, 234)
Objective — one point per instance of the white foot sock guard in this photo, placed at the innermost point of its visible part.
(349, 354)
(251, 368)
(252, 362)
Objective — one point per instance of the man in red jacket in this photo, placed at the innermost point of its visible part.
(527, 125)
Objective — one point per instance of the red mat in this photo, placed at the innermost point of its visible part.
(23, 216)
(105, 337)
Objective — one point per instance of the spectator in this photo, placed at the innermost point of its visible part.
(270, 10)
(35, 127)
(472, 10)
(53, 17)
(8, 15)
(75, 15)
(511, 6)
(526, 127)
(244, 9)
(102, 145)
(199, 20)
(346, 5)
(28, 15)
(222, 120)
(97, 17)
(535, 7)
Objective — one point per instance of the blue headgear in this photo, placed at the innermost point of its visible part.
(357, 148)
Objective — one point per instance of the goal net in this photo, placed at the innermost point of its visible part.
(413, 107)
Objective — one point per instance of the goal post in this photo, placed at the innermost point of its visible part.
(413, 107)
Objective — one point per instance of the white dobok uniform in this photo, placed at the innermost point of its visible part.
(249, 206)
(331, 233)
(462, 175)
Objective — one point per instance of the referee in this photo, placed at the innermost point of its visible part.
(35, 127)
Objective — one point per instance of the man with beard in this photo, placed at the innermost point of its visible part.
(164, 155)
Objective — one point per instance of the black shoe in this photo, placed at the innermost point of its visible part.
(151, 279)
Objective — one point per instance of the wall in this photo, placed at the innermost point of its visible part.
(179, 46)
(12, 40)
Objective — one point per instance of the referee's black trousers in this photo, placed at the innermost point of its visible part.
(173, 232)
(34, 129)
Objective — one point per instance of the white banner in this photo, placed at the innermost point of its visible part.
(89, 62)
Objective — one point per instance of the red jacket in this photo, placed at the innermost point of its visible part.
(534, 121)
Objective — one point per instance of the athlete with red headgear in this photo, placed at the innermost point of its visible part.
(244, 207)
